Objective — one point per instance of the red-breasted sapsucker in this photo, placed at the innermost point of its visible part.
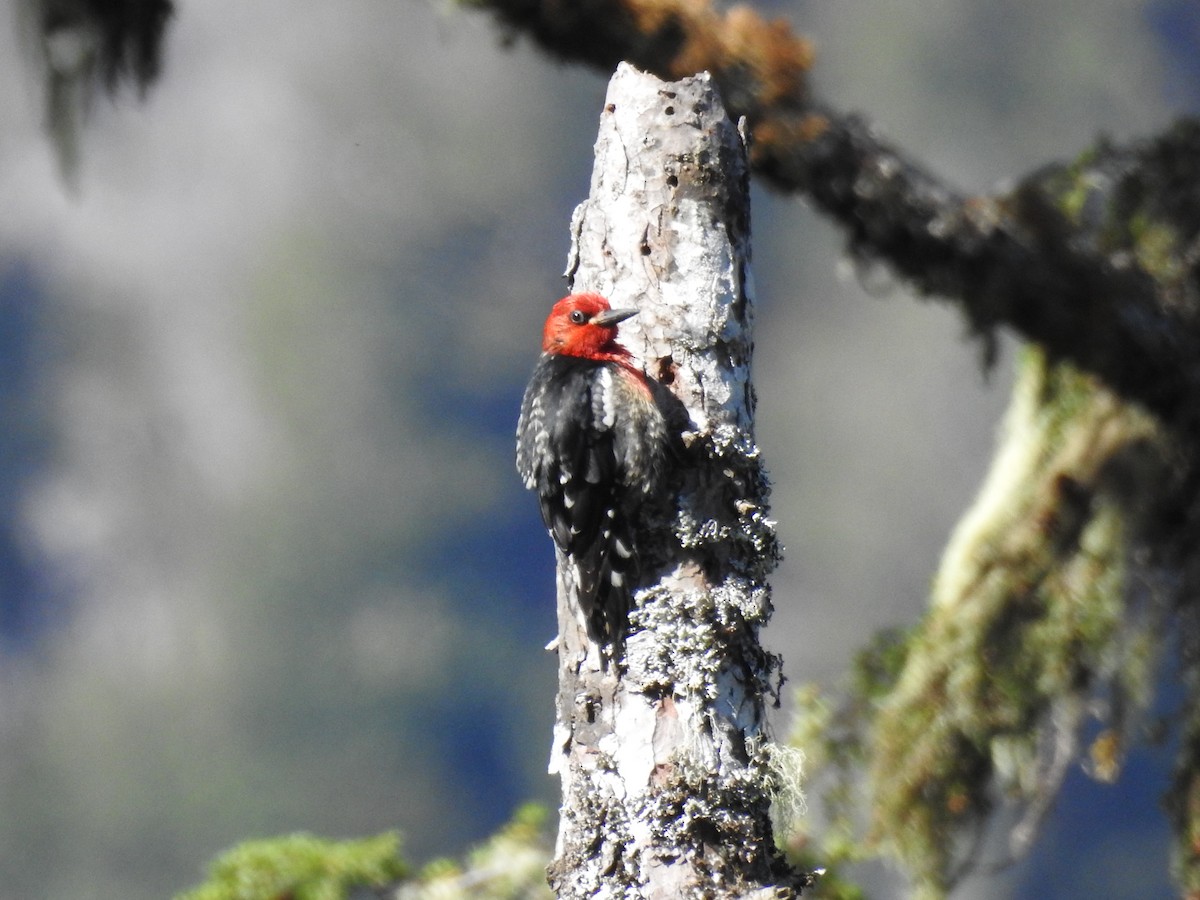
(593, 443)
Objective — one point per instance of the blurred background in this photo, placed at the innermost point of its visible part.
(265, 564)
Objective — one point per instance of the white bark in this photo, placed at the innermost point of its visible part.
(664, 756)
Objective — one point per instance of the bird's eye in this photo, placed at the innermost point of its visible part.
(578, 316)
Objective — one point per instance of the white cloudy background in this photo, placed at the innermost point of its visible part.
(275, 571)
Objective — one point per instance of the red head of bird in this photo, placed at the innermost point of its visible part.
(585, 325)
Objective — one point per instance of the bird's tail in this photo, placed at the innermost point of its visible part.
(605, 578)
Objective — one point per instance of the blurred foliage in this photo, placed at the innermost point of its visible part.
(510, 865)
(1183, 804)
(86, 43)
(302, 867)
(831, 738)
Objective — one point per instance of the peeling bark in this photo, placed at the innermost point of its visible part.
(665, 756)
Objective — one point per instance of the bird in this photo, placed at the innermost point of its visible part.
(593, 444)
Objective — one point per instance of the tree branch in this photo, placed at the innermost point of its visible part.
(1068, 282)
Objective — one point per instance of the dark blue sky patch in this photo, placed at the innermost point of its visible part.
(25, 596)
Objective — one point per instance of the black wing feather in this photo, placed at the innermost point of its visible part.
(577, 479)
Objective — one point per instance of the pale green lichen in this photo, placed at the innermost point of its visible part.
(1030, 628)
(1156, 247)
(1028, 606)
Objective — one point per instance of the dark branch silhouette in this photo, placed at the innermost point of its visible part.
(1067, 282)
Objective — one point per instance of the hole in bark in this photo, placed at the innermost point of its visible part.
(666, 370)
(706, 832)
(672, 181)
(610, 108)
(670, 110)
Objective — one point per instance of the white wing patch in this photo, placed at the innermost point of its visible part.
(604, 407)
(529, 453)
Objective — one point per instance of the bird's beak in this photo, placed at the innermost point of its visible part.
(613, 316)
